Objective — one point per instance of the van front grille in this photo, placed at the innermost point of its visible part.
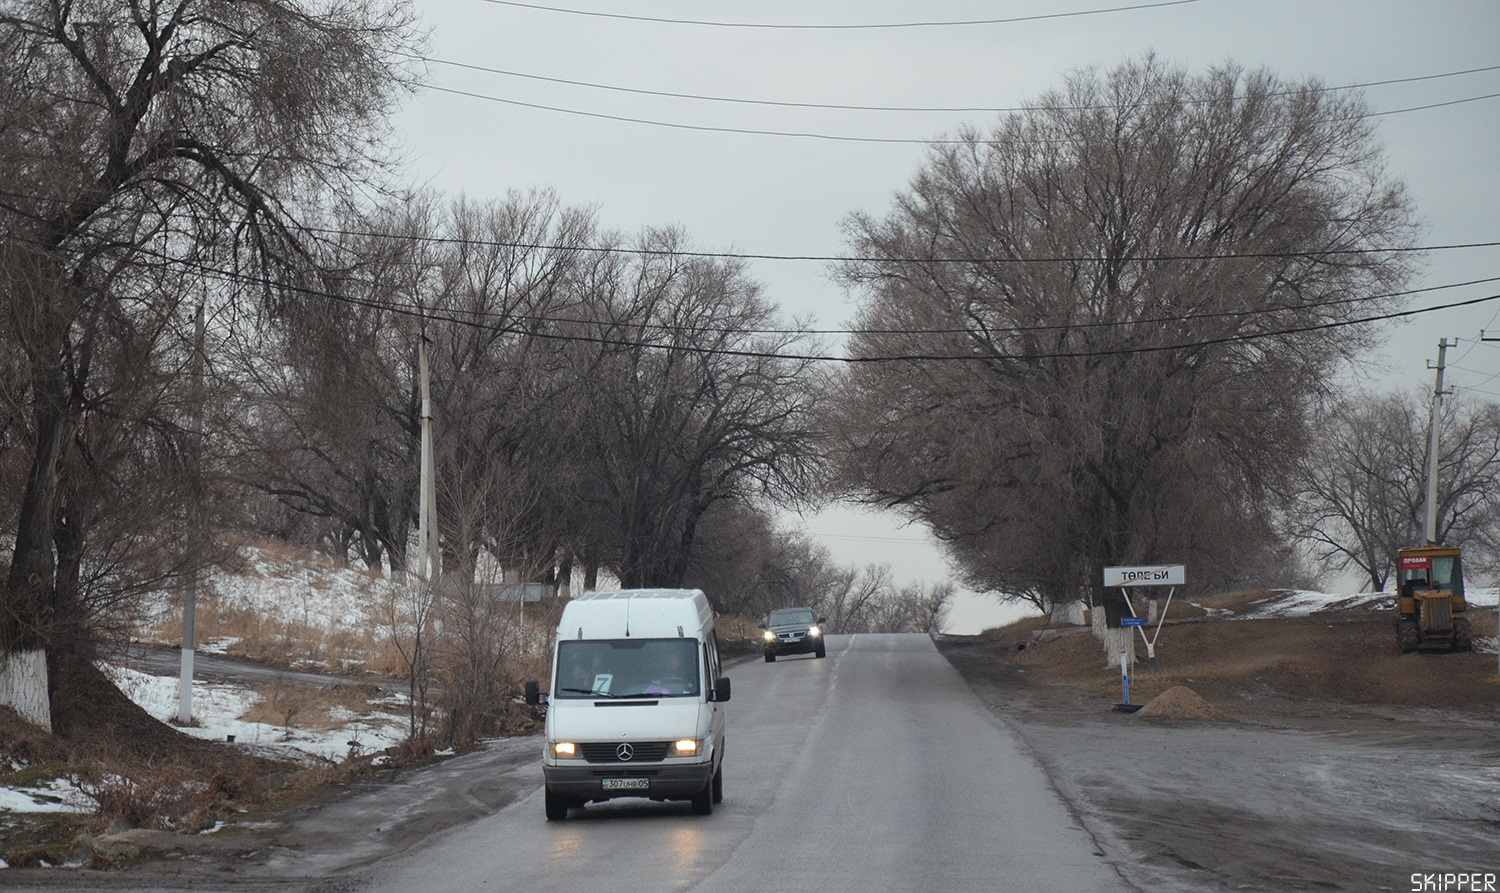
(639, 752)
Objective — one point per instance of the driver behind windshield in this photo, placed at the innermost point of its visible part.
(627, 668)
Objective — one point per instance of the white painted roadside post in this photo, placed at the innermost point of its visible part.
(1123, 578)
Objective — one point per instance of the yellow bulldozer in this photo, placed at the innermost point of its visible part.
(1430, 607)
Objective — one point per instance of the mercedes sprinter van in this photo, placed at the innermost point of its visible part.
(635, 707)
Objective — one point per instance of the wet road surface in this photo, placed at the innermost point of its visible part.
(872, 769)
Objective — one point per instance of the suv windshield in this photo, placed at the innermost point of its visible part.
(627, 668)
(799, 616)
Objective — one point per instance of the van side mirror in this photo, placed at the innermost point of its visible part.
(533, 692)
(721, 688)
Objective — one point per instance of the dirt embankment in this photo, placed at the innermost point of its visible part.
(1349, 659)
(1299, 753)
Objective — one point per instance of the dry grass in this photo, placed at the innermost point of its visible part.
(323, 709)
(283, 642)
(1348, 657)
(139, 782)
(737, 635)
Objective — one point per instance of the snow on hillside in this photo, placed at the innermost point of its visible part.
(218, 709)
(1297, 602)
(308, 592)
(314, 592)
(301, 589)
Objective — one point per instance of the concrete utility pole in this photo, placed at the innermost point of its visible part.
(190, 587)
(1497, 607)
(1430, 527)
(427, 542)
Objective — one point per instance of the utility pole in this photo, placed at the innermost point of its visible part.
(1430, 527)
(190, 586)
(427, 543)
(1497, 607)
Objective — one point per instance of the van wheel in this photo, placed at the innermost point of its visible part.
(703, 801)
(718, 784)
(770, 658)
(557, 806)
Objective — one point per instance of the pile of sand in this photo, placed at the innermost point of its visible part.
(1181, 702)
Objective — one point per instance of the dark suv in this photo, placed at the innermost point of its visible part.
(793, 631)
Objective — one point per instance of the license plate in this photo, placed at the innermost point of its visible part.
(627, 784)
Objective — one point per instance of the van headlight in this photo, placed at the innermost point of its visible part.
(563, 750)
(687, 747)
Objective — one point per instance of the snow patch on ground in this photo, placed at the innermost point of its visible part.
(312, 591)
(217, 646)
(217, 708)
(1299, 603)
(57, 795)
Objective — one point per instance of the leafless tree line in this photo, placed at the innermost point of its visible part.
(1362, 494)
(1118, 310)
(607, 402)
(600, 403)
(143, 145)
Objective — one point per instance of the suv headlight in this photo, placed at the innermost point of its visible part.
(814, 631)
(770, 636)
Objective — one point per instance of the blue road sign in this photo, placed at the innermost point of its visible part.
(1132, 621)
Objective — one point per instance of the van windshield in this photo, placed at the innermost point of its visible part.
(627, 668)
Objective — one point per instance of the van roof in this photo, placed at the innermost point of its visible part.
(637, 613)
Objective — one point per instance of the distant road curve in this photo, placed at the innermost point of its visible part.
(162, 661)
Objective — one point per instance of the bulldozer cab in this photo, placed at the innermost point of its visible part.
(1430, 602)
(1430, 568)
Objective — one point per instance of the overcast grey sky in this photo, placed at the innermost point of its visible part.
(785, 195)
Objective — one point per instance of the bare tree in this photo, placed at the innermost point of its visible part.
(482, 608)
(147, 134)
(508, 287)
(913, 608)
(1362, 493)
(327, 414)
(687, 400)
(407, 615)
(1132, 289)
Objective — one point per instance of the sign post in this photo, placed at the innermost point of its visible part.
(1123, 578)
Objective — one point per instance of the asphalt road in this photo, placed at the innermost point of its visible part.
(210, 667)
(872, 769)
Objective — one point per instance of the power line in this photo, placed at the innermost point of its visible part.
(1011, 330)
(798, 134)
(887, 108)
(815, 258)
(483, 315)
(840, 27)
(703, 128)
(426, 315)
(476, 316)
